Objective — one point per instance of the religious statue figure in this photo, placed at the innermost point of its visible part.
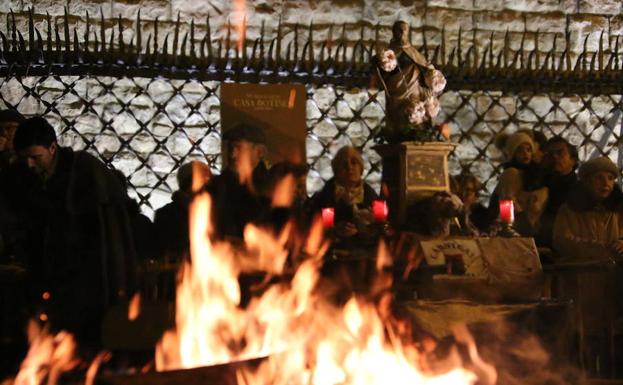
(411, 86)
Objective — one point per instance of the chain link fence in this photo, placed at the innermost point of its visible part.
(148, 127)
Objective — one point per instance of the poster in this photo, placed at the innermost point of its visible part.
(279, 109)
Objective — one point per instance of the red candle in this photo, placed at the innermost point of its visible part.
(328, 217)
(379, 210)
(507, 210)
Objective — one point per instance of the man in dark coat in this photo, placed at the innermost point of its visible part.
(79, 244)
(237, 193)
(560, 161)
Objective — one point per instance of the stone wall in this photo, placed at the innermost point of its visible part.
(478, 19)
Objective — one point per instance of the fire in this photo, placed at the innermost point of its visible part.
(303, 336)
(240, 17)
(48, 357)
(298, 333)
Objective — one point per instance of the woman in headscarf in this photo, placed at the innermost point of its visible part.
(347, 193)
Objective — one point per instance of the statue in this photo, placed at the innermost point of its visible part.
(411, 86)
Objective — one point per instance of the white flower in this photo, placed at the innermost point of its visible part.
(388, 60)
(416, 113)
(432, 106)
(435, 81)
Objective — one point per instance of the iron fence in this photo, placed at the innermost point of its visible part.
(145, 105)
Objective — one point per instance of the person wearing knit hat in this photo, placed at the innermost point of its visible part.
(518, 175)
(589, 228)
(603, 163)
(518, 147)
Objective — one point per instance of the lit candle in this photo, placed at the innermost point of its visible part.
(379, 210)
(328, 217)
(507, 210)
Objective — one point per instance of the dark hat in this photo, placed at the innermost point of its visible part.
(246, 132)
(603, 163)
(11, 116)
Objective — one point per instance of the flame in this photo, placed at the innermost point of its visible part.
(134, 308)
(48, 356)
(240, 17)
(283, 196)
(303, 335)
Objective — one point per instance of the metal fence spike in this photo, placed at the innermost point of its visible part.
(585, 52)
(156, 35)
(49, 40)
(22, 47)
(601, 51)
(491, 50)
(39, 47)
(87, 32)
(102, 31)
(310, 43)
(13, 32)
(278, 42)
(66, 31)
(138, 34)
(537, 51)
(183, 47)
(31, 28)
(227, 40)
(77, 51)
(121, 43)
(165, 46)
(147, 46)
(296, 41)
(616, 54)
(506, 49)
(192, 39)
(208, 37)
(459, 48)
(176, 35)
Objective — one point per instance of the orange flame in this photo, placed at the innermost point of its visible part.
(134, 307)
(240, 17)
(48, 357)
(305, 336)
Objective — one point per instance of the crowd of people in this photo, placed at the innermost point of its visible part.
(67, 219)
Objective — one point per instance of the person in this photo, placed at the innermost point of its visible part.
(467, 188)
(142, 226)
(519, 182)
(9, 120)
(237, 193)
(559, 164)
(348, 194)
(171, 220)
(410, 82)
(79, 242)
(589, 229)
(589, 225)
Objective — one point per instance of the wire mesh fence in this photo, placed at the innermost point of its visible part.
(148, 127)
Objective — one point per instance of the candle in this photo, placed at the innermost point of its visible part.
(379, 210)
(507, 210)
(328, 217)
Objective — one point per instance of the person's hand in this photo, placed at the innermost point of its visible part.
(617, 248)
(345, 229)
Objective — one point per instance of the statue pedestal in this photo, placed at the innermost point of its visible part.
(412, 171)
